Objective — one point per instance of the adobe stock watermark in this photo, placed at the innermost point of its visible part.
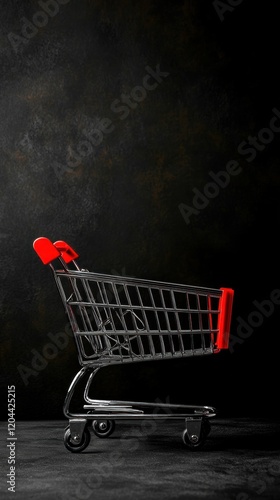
(40, 360)
(12, 439)
(222, 7)
(122, 107)
(249, 148)
(255, 319)
(30, 28)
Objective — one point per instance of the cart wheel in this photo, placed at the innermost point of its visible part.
(103, 428)
(194, 442)
(71, 445)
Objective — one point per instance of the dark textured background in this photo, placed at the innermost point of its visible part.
(119, 207)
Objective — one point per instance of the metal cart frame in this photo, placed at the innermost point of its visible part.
(118, 320)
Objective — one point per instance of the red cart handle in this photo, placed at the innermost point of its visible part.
(48, 251)
(67, 252)
(224, 320)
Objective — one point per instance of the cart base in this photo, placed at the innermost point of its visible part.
(100, 416)
(101, 420)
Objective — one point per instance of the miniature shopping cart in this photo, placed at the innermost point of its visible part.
(117, 320)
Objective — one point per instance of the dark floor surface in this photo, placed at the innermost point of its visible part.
(145, 460)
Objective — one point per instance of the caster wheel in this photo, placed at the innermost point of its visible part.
(194, 442)
(103, 428)
(76, 447)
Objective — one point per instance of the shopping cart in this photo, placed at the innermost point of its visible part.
(117, 320)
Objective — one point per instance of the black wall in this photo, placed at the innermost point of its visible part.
(147, 195)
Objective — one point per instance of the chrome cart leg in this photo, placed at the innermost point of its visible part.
(78, 377)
